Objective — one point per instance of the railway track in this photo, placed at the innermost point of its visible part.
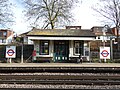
(61, 77)
(62, 82)
(70, 79)
(75, 78)
(60, 69)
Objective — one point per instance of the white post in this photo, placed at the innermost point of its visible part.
(104, 42)
(105, 60)
(89, 53)
(22, 54)
(10, 60)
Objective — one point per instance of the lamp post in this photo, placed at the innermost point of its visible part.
(111, 47)
(104, 30)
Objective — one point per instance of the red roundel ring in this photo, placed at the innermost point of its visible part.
(10, 52)
(104, 53)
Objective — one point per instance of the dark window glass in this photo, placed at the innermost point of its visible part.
(1, 34)
(44, 47)
(78, 47)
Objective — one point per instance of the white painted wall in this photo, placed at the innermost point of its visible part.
(51, 49)
(61, 38)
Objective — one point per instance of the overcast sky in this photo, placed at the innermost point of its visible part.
(83, 15)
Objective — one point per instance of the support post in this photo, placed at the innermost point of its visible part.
(111, 49)
(22, 54)
(10, 60)
(89, 53)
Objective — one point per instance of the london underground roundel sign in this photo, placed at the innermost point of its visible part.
(104, 52)
(10, 51)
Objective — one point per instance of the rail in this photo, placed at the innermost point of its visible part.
(73, 77)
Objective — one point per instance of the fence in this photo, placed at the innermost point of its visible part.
(95, 56)
(28, 49)
(27, 52)
(116, 54)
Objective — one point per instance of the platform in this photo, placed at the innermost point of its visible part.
(59, 65)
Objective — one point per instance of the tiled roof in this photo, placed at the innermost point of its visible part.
(61, 32)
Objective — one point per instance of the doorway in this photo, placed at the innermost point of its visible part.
(61, 51)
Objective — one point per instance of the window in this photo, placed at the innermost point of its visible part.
(5, 34)
(98, 37)
(0, 40)
(3, 41)
(44, 47)
(1, 34)
(78, 47)
(9, 40)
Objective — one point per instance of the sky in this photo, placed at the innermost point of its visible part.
(20, 25)
(83, 16)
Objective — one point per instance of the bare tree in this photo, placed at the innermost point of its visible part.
(110, 9)
(52, 12)
(6, 14)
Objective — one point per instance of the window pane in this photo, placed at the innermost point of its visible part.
(0, 40)
(4, 33)
(44, 47)
(77, 50)
(1, 34)
(4, 41)
(78, 45)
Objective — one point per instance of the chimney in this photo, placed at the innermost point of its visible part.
(73, 27)
(114, 31)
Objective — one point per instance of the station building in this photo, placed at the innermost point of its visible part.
(61, 45)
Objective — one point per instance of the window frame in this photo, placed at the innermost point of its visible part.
(78, 49)
(44, 47)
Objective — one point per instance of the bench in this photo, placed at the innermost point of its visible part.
(74, 59)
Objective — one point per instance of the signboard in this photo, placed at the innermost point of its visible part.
(10, 51)
(104, 52)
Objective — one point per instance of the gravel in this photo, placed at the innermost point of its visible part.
(75, 74)
(59, 86)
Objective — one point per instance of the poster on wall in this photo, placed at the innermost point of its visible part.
(104, 52)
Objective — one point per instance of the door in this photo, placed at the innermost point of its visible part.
(61, 51)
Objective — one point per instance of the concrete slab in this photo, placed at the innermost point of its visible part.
(59, 65)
